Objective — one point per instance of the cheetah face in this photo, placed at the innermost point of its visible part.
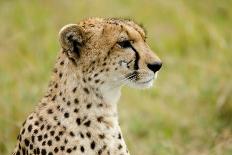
(137, 64)
(112, 51)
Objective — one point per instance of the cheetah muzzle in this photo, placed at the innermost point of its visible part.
(78, 113)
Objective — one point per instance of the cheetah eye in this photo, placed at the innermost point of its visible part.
(124, 44)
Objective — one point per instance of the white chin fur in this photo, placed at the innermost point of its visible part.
(143, 85)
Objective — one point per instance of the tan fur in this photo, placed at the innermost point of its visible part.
(78, 114)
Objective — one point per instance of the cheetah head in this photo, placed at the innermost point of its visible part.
(110, 53)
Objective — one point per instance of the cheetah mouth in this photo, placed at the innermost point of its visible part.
(141, 79)
(145, 82)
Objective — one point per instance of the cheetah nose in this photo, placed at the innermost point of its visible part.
(155, 66)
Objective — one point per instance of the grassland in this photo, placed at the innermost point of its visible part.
(188, 112)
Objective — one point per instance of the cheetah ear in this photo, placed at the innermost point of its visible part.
(71, 38)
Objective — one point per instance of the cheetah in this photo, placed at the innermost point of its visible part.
(78, 113)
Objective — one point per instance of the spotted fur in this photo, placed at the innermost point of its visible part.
(78, 114)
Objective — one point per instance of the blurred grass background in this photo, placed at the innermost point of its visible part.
(189, 112)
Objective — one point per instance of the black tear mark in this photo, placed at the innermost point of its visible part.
(136, 65)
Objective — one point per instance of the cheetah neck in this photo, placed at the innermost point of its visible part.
(70, 94)
(111, 95)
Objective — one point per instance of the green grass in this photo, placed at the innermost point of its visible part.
(188, 112)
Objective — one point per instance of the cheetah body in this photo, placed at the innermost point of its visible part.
(78, 114)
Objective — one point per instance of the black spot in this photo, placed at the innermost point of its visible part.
(48, 127)
(68, 103)
(119, 136)
(49, 111)
(61, 133)
(39, 137)
(52, 133)
(43, 152)
(73, 61)
(36, 123)
(24, 151)
(49, 142)
(56, 149)
(92, 145)
(82, 136)
(99, 119)
(19, 137)
(57, 138)
(29, 128)
(19, 146)
(45, 136)
(42, 127)
(24, 122)
(78, 120)
(76, 110)
(82, 149)
(34, 151)
(60, 75)
(87, 124)
(55, 118)
(97, 81)
(50, 153)
(101, 136)
(69, 150)
(38, 151)
(62, 148)
(99, 152)
(71, 134)
(62, 63)
(32, 138)
(86, 90)
(95, 75)
(41, 118)
(35, 131)
(54, 98)
(74, 89)
(88, 134)
(88, 105)
(31, 146)
(100, 105)
(119, 146)
(26, 141)
(66, 115)
(104, 147)
(76, 101)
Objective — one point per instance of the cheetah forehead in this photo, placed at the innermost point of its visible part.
(99, 22)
